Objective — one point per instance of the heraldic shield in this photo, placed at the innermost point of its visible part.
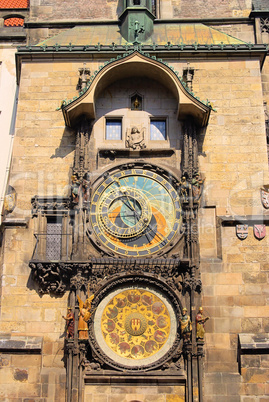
(242, 231)
(265, 196)
(259, 231)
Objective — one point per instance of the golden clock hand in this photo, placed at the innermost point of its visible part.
(124, 191)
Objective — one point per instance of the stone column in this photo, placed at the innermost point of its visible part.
(187, 352)
(200, 354)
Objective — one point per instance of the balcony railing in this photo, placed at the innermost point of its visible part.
(52, 247)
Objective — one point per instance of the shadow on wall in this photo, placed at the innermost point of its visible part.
(120, 7)
(67, 144)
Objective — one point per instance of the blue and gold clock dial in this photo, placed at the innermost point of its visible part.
(135, 212)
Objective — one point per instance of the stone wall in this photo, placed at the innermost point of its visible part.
(23, 375)
(207, 8)
(7, 110)
(128, 393)
(233, 161)
(68, 10)
(242, 31)
(111, 9)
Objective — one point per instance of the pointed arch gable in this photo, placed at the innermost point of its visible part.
(136, 65)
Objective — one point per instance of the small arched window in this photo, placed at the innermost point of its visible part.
(14, 22)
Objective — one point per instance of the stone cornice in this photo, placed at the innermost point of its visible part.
(241, 219)
(152, 48)
(72, 23)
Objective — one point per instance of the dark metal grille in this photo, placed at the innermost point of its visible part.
(54, 241)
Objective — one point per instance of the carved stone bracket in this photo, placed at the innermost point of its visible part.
(192, 283)
(57, 278)
(200, 349)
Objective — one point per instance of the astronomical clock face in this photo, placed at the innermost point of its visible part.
(135, 326)
(135, 212)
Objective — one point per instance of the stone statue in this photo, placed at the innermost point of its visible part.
(197, 186)
(84, 316)
(135, 138)
(200, 324)
(186, 325)
(75, 186)
(184, 189)
(70, 323)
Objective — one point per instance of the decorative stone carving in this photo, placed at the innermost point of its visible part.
(58, 277)
(191, 283)
(84, 74)
(188, 74)
(10, 200)
(46, 205)
(52, 278)
(197, 187)
(135, 138)
(264, 24)
(81, 160)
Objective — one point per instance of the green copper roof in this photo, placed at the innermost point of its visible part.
(163, 33)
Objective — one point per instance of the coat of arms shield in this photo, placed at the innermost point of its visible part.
(10, 200)
(265, 196)
(259, 231)
(242, 231)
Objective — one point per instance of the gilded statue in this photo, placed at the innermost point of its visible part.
(186, 325)
(200, 324)
(84, 316)
(70, 323)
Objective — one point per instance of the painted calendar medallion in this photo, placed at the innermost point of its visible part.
(135, 324)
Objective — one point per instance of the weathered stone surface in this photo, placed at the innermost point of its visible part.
(21, 343)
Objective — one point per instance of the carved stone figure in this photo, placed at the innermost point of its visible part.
(70, 323)
(135, 138)
(200, 324)
(197, 186)
(84, 316)
(184, 189)
(75, 188)
(84, 77)
(186, 325)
